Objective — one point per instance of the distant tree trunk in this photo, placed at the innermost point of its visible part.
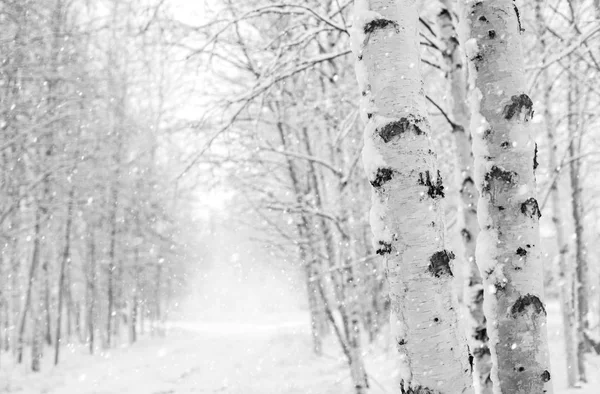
(37, 331)
(16, 292)
(357, 365)
(469, 228)
(66, 255)
(564, 277)
(111, 262)
(143, 309)
(134, 298)
(157, 298)
(508, 246)
(576, 122)
(581, 265)
(407, 216)
(133, 318)
(35, 259)
(47, 309)
(91, 292)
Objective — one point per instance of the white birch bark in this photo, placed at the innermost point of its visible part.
(407, 213)
(469, 228)
(508, 246)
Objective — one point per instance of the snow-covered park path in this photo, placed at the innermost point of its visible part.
(270, 357)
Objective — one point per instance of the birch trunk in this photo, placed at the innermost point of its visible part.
(111, 258)
(564, 278)
(473, 291)
(508, 246)
(47, 310)
(407, 214)
(37, 329)
(581, 266)
(91, 292)
(61, 279)
(30, 282)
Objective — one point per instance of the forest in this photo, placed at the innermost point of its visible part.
(299, 196)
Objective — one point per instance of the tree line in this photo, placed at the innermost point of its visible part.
(93, 229)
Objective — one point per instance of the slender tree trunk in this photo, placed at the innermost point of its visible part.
(564, 277)
(37, 331)
(35, 259)
(111, 263)
(508, 246)
(134, 297)
(581, 266)
(16, 292)
(469, 228)
(92, 292)
(357, 365)
(407, 217)
(157, 298)
(47, 309)
(66, 255)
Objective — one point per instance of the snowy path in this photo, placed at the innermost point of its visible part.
(266, 358)
(195, 358)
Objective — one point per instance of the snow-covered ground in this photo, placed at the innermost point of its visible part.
(272, 356)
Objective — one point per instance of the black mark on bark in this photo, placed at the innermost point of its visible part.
(521, 252)
(492, 34)
(479, 296)
(499, 175)
(433, 189)
(466, 234)
(481, 351)
(371, 26)
(405, 388)
(531, 208)
(481, 334)
(444, 13)
(535, 160)
(440, 264)
(545, 376)
(394, 129)
(383, 175)
(527, 301)
(466, 181)
(520, 104)
(384, 248)
(477, 59)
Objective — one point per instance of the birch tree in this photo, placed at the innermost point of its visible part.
(469, 228)
(564, 277)
(407, 212)
(508, 247)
